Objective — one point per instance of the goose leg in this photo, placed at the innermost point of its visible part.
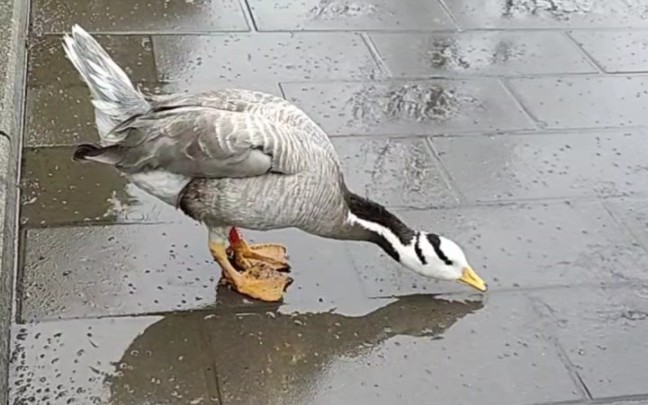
(257, 281)
(245, 255)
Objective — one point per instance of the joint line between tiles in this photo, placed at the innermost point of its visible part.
(582, 51)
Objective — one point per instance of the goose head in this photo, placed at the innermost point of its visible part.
(425, 253)
(438, 257)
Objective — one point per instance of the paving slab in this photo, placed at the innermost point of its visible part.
(602, 330)
(433, 348)
(397, 172)
(287, 15)
(58, 115)
(615, 51)
(590, 101)
(633, 214)
(58, 16)
(120, 361)
(59, 191)
(276, 56)
(96, 271)
(47, 63)
(548, 165)
(409, 107)
(516, 246)
(482, 53)
(546, 14)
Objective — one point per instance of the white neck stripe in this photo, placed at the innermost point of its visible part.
(406, 253)
(377, 228)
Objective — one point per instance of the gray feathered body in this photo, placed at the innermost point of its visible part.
(256, 160)
(228, 157)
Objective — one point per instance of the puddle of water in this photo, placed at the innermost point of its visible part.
(546, 13)
(332, 9)
(166, 360)
(558, 9)
(408, 102)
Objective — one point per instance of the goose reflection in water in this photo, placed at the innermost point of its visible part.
(265, 357)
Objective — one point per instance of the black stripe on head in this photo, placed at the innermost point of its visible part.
(374, 212)
(417, 248)
(435, 241)
(386, 246)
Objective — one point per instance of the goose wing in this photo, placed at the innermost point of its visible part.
(197, 141)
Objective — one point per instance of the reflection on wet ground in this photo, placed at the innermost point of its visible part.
(154, 359)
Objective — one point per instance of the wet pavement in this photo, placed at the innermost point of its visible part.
(516, 127)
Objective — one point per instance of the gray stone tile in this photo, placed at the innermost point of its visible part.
(286, 15)
(409, 107)
(267, 57)
(121, 361)
(58, 16)
(407, 351)
(57, 115)
(515, 246)
(116, 270)
(603, 333)
(59, 191)
(398, 172)
(633, 214)
(133, 269)
(483, 53)
(47, 63)
(616, 51)
(546, 14)
(590, 101)
(510, 167)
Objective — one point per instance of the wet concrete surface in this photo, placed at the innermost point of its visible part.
(611, 101)
(153, 359)
(76, 272)
(429, 107)
(403, 351)
(320, 15)
(56, 16)
(56, 191)
(598, 327)
(399, 172)
(279, 56)
(501, 167)
(506, 14)
(516, 128)
(616, 51)
(484, 53)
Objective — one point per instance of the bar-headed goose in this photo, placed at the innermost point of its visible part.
(237, 158)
